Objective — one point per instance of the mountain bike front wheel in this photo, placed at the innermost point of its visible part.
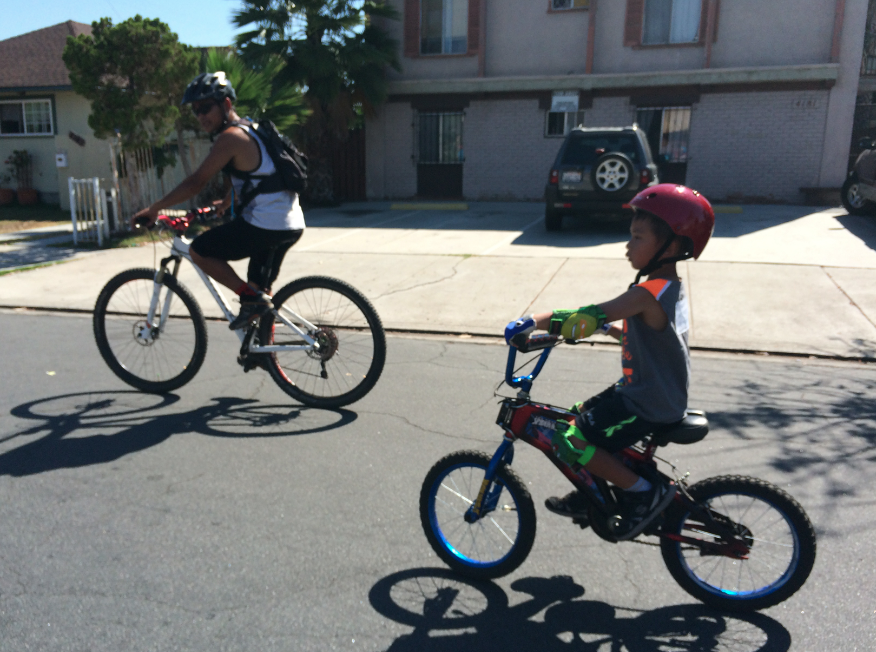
(154, 357)
(500, 539)
(352, 344)
(773, 527)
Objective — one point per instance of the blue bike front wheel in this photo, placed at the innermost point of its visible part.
(486, 546)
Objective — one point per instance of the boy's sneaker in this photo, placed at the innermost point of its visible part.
(640, 508)
(572, 505)
(252, 306)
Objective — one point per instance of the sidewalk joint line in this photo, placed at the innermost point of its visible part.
(846, 294)
(549, 281)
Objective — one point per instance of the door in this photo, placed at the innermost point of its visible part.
(668, 133)
(440, 155)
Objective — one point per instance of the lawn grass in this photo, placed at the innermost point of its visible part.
(21, 218)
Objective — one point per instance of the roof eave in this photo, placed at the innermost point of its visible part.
(827, 73)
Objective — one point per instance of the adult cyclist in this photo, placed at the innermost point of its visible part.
(264, 229)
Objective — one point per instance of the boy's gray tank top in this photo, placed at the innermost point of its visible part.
(657, 364)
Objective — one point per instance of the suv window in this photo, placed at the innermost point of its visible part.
(581, 149)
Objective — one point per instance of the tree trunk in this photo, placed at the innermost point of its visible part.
(318, 139)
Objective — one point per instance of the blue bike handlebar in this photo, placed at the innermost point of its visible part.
(546, 342)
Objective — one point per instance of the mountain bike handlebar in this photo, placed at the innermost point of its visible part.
(179, 224)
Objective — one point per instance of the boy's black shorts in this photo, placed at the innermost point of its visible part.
(239, 239)
(607, 423)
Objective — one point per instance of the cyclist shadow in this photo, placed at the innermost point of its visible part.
(136, 421)
(452, 613)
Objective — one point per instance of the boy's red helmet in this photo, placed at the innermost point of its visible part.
(686, 211)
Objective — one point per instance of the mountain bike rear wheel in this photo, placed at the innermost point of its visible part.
(772, 525)
(352, 348)
(155, 358)
(500, 539)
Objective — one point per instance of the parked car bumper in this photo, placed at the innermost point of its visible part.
(572, 205)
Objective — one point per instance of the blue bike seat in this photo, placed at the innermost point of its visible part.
(693, 428)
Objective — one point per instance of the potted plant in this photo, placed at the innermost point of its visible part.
(19, 164)
(7, 195)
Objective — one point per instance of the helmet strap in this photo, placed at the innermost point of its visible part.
(656, 262)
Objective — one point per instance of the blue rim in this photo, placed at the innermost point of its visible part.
(755, 593)
(468, 561)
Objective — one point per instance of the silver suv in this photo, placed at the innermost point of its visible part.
(597, 170)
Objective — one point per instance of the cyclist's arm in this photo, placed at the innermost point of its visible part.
(224, 149)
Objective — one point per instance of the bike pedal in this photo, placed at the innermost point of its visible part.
(582, 522)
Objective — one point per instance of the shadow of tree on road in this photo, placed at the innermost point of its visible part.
(135, 422)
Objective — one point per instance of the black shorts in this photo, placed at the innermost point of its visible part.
(239, 239)
(606, 422)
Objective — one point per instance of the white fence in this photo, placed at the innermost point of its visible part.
(92, 209)
(137, 180)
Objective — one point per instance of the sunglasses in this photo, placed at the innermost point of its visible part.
(204, 109)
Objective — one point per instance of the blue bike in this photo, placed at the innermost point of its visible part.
(733, 542)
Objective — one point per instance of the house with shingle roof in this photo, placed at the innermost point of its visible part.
(40, 113)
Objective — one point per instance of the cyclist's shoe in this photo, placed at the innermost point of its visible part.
(251, 308)
(572, 505)
(639, 508)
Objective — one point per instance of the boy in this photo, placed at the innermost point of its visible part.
(671, 223)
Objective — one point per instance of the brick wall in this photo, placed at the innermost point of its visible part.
(507, 156)
(757, 145)
(742, 146)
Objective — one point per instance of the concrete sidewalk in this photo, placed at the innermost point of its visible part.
(779, 279)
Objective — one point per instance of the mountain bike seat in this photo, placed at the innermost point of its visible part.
(689, 430)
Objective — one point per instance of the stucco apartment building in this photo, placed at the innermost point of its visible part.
(745, 99)
(40, 113)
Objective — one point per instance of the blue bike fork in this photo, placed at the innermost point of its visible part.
(489, 493)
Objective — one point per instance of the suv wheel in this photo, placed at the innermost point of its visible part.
(852, 200)
(553, 221)
(612, 173)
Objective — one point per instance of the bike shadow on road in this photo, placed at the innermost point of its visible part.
(87, 428)
(450, 613)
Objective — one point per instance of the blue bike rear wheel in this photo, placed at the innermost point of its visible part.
(772, 525)
(495, 543)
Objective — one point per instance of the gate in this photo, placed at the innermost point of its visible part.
(348, 167)
(439, 155)
(92, 210)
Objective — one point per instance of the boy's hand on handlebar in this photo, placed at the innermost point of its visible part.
(519, 329)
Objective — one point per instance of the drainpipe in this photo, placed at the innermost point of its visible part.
(591, 36)
(711, 19)
(482, 40)
(837, 31)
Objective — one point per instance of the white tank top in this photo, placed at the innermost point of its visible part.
(274, 211)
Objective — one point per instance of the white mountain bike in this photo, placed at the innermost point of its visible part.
(323, 343)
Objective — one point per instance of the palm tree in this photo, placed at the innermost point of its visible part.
(334, 51)
(259, 95)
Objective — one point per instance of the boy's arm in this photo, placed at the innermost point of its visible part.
(635, 301)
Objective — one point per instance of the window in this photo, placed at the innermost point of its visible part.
(26, 118)
(667, 130)
(560, 5)
(560, 123)
(585, 149)
(440, 138)
(671, 21)
(443, 26)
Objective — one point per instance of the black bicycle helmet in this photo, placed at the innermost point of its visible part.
(209, 85)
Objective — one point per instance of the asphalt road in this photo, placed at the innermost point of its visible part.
(225, 517)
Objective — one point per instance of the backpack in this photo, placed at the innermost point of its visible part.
(290, 165)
